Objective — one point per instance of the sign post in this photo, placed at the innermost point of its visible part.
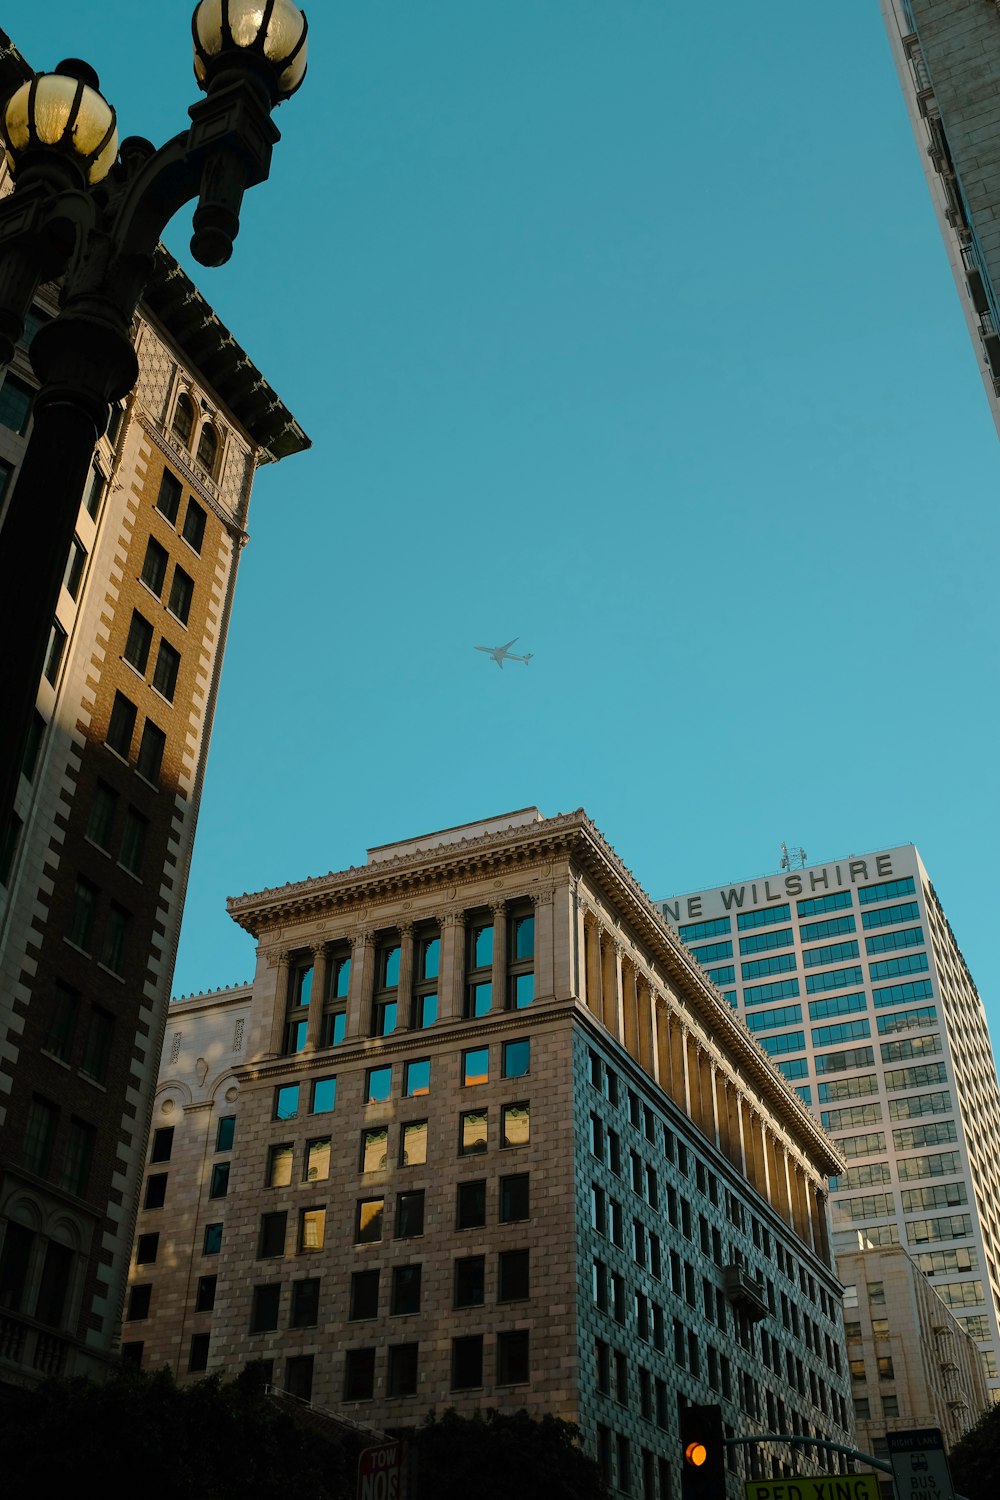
(380, 1472)
(920, 1465)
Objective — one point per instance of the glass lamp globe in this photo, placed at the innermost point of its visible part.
(273, 31)
(64, 112)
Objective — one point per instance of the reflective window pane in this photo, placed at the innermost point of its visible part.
(379, 1085)
(515, 1125)
(430, 954)
(482, 947)
(476, 1066)
(516, 1058)
(418, 1077)
(524, 938)
(374, 1146)
(279, 1168)
(524, 990)
(473, 1132)
(368, 1226)
(413, 1148)
(318, 1160)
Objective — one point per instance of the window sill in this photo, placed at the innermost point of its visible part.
(132, 668)
(126, 871)
(154, 786)
(94, 1082)
(76, 947)
(152, 592)
(54, 1057)
(111, 972)
(183, 623)
(162, 696)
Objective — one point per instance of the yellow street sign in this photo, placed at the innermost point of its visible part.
(819, 1487)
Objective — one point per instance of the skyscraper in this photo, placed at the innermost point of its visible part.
(93, 872)
(849, 976)
(481, 1134)
(947, 55)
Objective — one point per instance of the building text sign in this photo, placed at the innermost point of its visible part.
(817, 1487)
(919, 1465)
(820, 880)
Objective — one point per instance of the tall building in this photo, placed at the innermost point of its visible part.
(912, 1363)
(947, 55)
(849, 976)
(481, 1133)
(92, 876)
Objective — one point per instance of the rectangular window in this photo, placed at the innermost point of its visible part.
(886, 890)
(154, 566)
(512, 1357)
(410, 1215)
(138, 642)
(181, 594)
(513, 1281)
(121, 726)
(150, 758)
(77, 1157)
(402, 1373)
(768, 917)
(102, 816)
(95, 494)
(312, 1229)
(368, 1221)
(470, 1205)
(887, 942)
(75, 564)
(62, 1023)
(520, 959)
(374, 1149)
(133, 841)
(279, 1165)
(405, 1295)
(163, 1144)
(264, 1308)
(194, 526)
(273, 1228)
(472, 1137)
(359, 1375)
(364, 1296)
(169, 498)
(138, 1303)
(305, 1303)
(115, 938)
(286, 1101)
(385, 1010)
(15, 404)
(212, 1241)
(476, 1066)
(470, 1281)
(156, 1190)
(467, 1362)
(515, 1124)
(479, 967)
(517, 1058)
(205, 1295)
(379, 1085)
(317, 1163)
(299, 1376)
(81, 920)
(413, 1144)
(425, 993)
(324, 1096)
(417, 1078)
(168, 663)
(54, 653)
(146, 1248)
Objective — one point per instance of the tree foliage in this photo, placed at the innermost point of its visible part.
(975, 1460)
(142, 1435)
(498, 1455)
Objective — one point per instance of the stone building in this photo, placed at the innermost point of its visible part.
(912, 1364)
(94, 868)
(482, 1134)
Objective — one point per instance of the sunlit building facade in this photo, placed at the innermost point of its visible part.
(849, 976)
(94, 868)
(480, 1133)
(947, 55)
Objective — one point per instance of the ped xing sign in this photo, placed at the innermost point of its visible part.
(380, 1472)
(817, 1487)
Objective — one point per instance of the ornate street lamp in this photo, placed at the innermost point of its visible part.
(90, 214)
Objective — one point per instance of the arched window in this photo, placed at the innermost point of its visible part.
(183, 423)
(208, 448)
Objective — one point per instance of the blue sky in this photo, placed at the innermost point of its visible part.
(625, 328)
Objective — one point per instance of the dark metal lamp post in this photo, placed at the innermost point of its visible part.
(90, 215)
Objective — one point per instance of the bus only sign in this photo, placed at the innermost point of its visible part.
(820, 1487)
(380, 1472)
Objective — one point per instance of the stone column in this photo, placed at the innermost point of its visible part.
(451, 971)
(361, 990)
(646, 1007)
(317, 997)
(630, 1006)
(499, 910)
(280, 960)
(595, 991)
(545, 966)
(404, 988)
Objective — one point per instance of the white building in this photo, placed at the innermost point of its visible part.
(850, 977)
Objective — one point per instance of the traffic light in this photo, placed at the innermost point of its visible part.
(703, 1453)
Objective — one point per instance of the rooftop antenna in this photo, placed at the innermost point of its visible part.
(794, 859)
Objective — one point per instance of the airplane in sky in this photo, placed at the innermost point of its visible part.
(500, 654)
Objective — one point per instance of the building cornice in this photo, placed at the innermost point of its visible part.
(574, 838)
